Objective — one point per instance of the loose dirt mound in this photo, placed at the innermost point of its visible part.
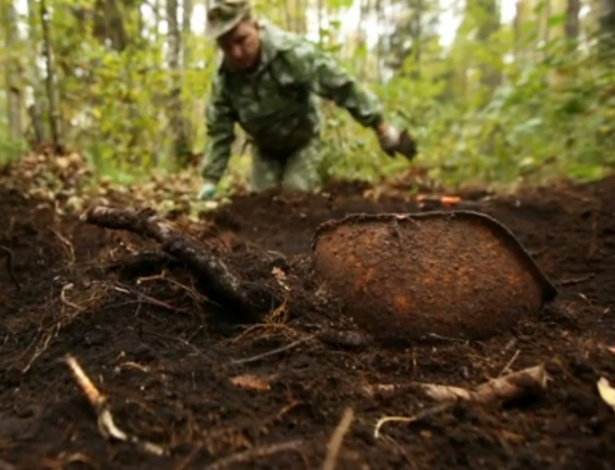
(169, 359)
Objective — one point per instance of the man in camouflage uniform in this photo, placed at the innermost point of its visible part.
(267, 82)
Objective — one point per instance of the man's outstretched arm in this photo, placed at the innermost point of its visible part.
(330, 80)
(220, 121)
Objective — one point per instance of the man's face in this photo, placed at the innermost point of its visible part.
(241, 45)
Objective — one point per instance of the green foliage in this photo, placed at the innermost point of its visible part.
(501, 103)
(10, 149)
(547, 117)
(532, 129)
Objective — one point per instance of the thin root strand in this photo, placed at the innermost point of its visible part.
(106, 425)
(255, 453)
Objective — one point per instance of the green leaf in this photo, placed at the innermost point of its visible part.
(557, 20)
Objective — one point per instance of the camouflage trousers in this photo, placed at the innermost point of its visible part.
(300, 171)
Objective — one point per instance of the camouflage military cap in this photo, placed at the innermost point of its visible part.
(224, 15)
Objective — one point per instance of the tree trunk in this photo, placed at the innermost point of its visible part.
(156, 7)
(545, 11)
(380, 20)
(489, 24)
(572, 19)
(37, 109)
(607, 28)
(186, 52)
(14, 91)
(186, 63)
(300, 17)
(109, 23)
(361, 36)
(181, 142)
(319, 9)
(524, 32)
(417, 43)
(54, 112)
(557, 32)
(37, 125)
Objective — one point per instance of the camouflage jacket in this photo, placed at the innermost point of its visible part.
(276, 105)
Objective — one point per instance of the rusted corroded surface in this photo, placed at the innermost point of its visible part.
(457, 274)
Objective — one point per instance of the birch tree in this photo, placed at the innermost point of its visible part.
(12, 72)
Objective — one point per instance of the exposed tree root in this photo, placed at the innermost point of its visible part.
(267, 354)
(216, 277)
(255, 453)
(507, 387)
(333, 448)
(99, 402)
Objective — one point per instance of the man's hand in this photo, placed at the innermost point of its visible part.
(388, 137)
(207, 191)
(391, 141)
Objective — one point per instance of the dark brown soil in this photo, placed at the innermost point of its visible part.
(164, 354)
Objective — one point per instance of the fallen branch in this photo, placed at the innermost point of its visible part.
(255, 453)
(99, 402)
(508, 387)
(248, 298)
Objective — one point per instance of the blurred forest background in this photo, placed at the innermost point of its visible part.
(504, 91)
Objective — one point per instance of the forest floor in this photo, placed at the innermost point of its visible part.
(172, 370)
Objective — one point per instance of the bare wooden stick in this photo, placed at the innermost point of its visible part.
(255, 453)
(106, 425)
(50, 81)
(336, 439)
